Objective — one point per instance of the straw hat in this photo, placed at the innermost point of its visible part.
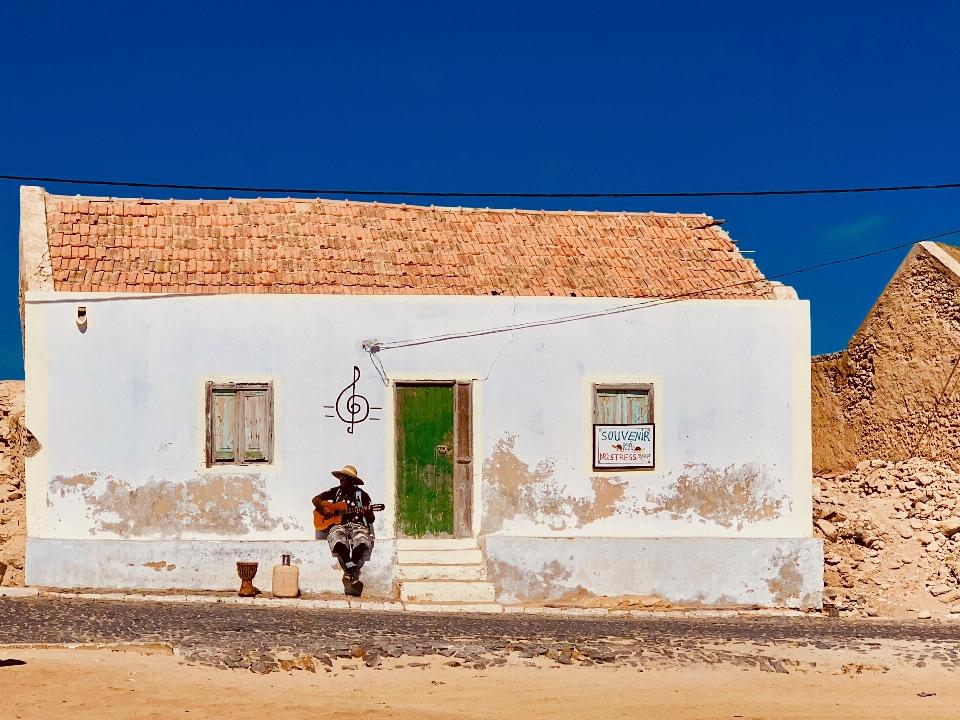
(349, 473)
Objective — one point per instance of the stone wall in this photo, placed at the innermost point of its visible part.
(13, 525)
(892, 393)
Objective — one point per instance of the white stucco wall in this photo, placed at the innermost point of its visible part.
(122, 403)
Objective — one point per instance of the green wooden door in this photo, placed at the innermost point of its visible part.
(425, 460)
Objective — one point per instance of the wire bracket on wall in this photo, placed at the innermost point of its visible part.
(372, 347)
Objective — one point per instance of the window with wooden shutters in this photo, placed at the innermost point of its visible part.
(622, 404)
(239, 423)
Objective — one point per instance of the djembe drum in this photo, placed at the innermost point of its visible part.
(247, 572)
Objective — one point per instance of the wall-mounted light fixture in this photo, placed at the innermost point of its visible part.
(82, 318)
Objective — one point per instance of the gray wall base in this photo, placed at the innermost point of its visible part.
(196, 564)
(709, 571)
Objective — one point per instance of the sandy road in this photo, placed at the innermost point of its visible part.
(85, 684)
(223, 662)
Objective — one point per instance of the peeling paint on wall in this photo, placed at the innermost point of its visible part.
(66, 483)
(550, 582)
(511, 488)
(160, 565)
(728, 497)
(786, 588)
(606, 571)
(219, 504)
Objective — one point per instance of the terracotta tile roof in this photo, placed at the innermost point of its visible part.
(327, 246)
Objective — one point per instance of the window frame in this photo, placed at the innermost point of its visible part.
(239, 459)
(639, 387)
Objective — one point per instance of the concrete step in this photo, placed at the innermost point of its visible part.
(438, 544)
(466, 556)
(447, 591)
(454, 608)
(442, 572)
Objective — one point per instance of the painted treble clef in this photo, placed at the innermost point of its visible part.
(352, 408)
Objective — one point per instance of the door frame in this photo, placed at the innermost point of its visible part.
(390, 449)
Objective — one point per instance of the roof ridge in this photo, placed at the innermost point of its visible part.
(347, 202)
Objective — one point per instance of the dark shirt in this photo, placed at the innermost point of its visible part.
(354, 497)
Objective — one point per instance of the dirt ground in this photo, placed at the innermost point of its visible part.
(84, 683)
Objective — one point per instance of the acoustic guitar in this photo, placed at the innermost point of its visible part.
(331, 513)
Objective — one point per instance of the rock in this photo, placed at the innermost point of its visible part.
(831, 576)
(905, 531)
(924, 615)
(832, 559)
(940, 589)
(305, 662)
(950, 596)
(827, 528)
(950, 526)
(924, 537)
(872, 611)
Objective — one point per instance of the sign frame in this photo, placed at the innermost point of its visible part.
(653, 443)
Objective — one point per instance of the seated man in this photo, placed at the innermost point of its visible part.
(351, 539)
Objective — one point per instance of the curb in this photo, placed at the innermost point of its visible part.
(19, 592)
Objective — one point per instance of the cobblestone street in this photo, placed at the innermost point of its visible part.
(267, 639)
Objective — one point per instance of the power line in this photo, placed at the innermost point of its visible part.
(374, 347)
(412, 193)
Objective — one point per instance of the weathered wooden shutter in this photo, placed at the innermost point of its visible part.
(463, 469)
(607, 408)
(255, 426)
(239, 423)
(622, 406)
(636, 407)
(224, 416)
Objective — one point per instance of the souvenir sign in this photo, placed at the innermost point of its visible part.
(622, 446)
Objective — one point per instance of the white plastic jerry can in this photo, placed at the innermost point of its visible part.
(286, 579)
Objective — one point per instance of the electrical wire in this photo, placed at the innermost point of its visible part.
(376, 346)
(412, 193)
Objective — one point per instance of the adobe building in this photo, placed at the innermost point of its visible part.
(892, 393)
(547, 403)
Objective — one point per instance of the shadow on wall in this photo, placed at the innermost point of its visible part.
(216, 505)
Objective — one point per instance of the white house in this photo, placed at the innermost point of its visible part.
(547, 402)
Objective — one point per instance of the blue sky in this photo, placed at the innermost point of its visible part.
(549, 97)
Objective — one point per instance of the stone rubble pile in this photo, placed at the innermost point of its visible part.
(892, 538)
(13, 504)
